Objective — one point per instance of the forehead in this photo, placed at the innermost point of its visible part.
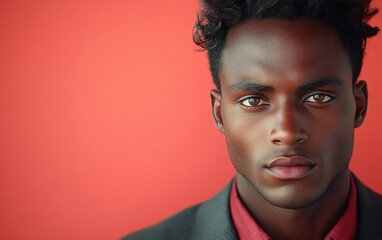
(291, 49)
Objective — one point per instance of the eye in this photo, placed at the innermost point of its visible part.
(318, 98)
(253, 102)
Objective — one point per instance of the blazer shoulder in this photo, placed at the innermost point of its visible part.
(369, 211)
(368, 197)
(175, 227)
(207, 220)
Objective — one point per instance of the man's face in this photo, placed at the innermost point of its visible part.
(288, 108)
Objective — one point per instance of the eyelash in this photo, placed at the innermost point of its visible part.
(327, 97)
(261, 100)
(264, 102)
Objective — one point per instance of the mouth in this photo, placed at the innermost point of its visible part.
(290, 168)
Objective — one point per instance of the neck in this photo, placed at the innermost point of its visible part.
(286, 223)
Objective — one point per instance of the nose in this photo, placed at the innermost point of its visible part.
(288, 126)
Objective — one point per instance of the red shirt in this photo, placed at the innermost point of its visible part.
(248, 229)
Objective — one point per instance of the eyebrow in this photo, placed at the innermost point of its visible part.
(246, 86)
(255, 87)
(320, 83)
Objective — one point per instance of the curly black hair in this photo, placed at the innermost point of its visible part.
(348, 17)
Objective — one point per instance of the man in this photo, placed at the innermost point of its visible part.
(287, 100)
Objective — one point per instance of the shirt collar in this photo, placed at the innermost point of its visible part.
(248, 229)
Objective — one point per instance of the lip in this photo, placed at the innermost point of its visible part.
(289, 168)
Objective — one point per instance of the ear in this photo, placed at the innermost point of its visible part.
(216, 109)
(361, 97)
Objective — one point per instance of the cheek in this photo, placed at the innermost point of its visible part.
(334, 135)
(343, 139)
(343, 130)
(246, 138)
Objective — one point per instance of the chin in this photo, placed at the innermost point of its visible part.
(290, 197)
(292, 203)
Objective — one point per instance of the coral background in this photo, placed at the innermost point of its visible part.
(105, 123)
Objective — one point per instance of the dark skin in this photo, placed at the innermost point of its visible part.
(287, 91)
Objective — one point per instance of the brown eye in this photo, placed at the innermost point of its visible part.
(253, 102)
(318, 98)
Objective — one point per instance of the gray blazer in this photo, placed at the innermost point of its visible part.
(212, 220)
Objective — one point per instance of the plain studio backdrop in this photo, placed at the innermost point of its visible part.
(105, 120)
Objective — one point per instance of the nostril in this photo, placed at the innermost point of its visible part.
(289, 141)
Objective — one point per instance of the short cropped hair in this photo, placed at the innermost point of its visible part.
(348, 17)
